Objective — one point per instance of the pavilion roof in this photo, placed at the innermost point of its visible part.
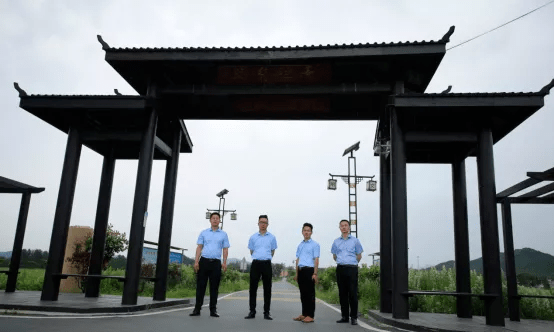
(442, 127)
(541, 195)
(8, 186)
(106, 122)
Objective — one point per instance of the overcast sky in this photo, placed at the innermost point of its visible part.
(276, 168)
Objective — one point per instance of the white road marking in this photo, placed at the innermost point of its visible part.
(362, 324)
(128, 315)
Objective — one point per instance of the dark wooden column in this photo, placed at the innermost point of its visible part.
(509, 260)
(385, 250)
(461, 238)
(18, 242)
(489, 229)
(399, 207)
(166, 223)
(62, 217)
(140, 207)
(101, 225)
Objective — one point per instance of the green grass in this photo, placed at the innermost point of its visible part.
(28, 279)
(368, 289)
(443, 280)
(181, 287)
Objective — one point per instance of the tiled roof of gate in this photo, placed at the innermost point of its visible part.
(275, 48)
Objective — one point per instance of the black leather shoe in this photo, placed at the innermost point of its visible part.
(343, 320)
(214, 314)
(195, 313)
(268, 317)
(354, 321)
(251, 315)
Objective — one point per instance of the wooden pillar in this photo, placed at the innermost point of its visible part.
(489, 229)
(166, 223)
(18, 242)
(101, 225)
(509, 260)
(385, 249)
(399, 207)
(140, 207)
(62, 217)
(461, 238)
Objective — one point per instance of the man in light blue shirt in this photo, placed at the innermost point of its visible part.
(207, 263)
(262, 247)
(307, 262)
(347, 252)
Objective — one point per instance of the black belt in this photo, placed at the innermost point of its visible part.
(261, 260)
(210, 259)
(305, 267)
(346, 265)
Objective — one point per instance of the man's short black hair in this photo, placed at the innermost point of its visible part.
(263, 216)
(216, 213)
(308, 225)
(345, 221)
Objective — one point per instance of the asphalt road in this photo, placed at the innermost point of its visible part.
(232, 308)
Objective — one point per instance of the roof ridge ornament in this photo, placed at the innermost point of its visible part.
(105, 45)
(446, 38)
(117, 92)
(22, 92)
(546, 89)
(447, 90)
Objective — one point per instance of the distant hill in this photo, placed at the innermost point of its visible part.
(529, 261)
(6, 254)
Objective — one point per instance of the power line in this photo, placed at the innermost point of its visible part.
(500, 26)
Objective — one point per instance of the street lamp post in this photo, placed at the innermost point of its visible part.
(221, 210)
(352, 181)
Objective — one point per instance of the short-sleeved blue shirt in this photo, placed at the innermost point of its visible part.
(346, 250)
(307, 252)
(262, 245)
(213, 243)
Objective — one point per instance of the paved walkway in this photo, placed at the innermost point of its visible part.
(78, 303)
(425, 321)
(233, 308)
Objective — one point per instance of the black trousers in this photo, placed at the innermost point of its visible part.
(307, 290)
(210, 269)
(347, 281)
(260, 269)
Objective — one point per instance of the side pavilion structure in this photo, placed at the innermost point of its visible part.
(382, 82)
(9, 186)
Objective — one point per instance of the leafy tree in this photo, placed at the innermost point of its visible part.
(115, 242)
(118, 262)
(276, 269)
(530, 280)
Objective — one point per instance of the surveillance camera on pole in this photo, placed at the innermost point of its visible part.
(352, 181)
(221, 210)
